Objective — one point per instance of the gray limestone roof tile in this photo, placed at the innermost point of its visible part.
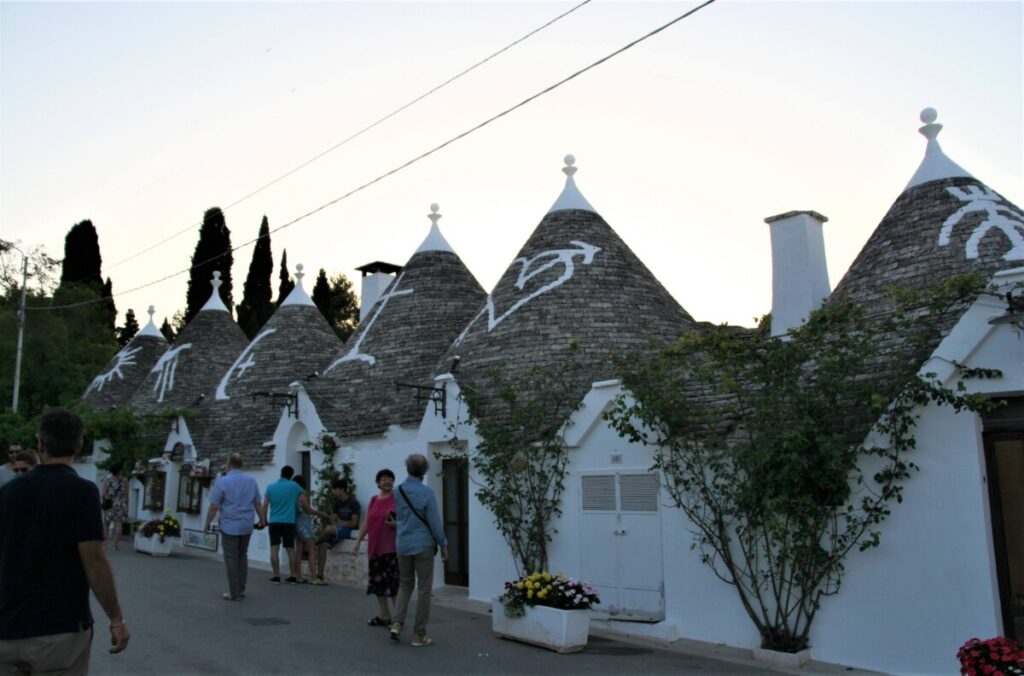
(116, 385)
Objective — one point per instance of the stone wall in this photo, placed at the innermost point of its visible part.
(343, 568)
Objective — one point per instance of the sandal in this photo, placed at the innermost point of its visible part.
(377, 622)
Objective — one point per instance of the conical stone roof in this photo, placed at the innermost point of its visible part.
(192, 367)
(237, 414)
(945, 223)
(407, 330)
(574, 279)
(115, 386)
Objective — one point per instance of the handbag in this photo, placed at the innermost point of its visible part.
(416, 512)
(108, 503)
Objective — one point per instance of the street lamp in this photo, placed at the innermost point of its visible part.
(21, 328)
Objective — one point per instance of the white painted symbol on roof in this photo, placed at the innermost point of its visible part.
(999, 215)
(124, 358)
(242, 364)
(354, 354)
(548, 260)
(166, 366)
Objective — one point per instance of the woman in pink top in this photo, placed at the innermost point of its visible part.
(379, 526)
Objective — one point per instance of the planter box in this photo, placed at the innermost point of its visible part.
(153, 546)
(781, 659)
(563, 631)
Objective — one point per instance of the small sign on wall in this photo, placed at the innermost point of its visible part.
(200, 539)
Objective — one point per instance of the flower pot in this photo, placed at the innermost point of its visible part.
(153, 546)
(563, 631)
(780, 659)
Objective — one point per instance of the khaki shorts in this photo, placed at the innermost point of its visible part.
(63, 653)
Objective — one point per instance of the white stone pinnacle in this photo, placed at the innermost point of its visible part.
(434, 241)
(215, 303)
(150, 328)
(935, 165)
(298, 296)
(571, 198)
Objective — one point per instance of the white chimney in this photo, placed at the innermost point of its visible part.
(799, 272)
(376, 278)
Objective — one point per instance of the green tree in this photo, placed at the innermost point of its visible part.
(764, 443)
(285, 284)
(256, 306)
(168, 331)
(109, 308)
(213, 252)
(337, 301)
(82, 260)
(130, 328)
(522, 457)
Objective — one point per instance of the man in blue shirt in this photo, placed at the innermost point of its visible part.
(420, 531)
(237, 497)
(282, 497)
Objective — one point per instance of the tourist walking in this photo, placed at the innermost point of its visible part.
(304, 535)
(115, 503)
(24, 461)
(51, 554)
(236, 497)
(281, 499)
(420, 533)
(379, 527)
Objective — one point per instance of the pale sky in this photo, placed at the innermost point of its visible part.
(140, 116)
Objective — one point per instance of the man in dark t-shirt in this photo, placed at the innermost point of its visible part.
(51, 553)
(344, 520)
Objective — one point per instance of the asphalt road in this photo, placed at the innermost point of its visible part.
(181, 625)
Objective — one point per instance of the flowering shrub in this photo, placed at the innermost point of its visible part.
(167, 527)
(545, 589)
(998, 656)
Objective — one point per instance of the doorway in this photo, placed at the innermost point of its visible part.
(620, 540)
(1004, 457)
(456, 520)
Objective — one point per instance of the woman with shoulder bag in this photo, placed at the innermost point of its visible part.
(115, 502)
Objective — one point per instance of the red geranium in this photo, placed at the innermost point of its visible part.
(998, 656)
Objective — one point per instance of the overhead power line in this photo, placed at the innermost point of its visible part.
(359, 133)
(415, 159)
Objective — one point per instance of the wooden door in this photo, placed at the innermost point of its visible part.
(456, 520)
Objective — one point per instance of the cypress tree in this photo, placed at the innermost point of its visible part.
(257, 306)
(322, 293)
(286, 284)
(213, 252)
(167, 330)
(82, 259)
(109, 309)
(130, 328)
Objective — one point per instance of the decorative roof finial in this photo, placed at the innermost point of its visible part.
(434, 241)
(215, 282)
(930, 130)
(299, 274)
(150, 328)
(571, 198)
(568, 169)
(298, 296)
(215, 302)
(935, 165)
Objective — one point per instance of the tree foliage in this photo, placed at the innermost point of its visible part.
(82, 260)
(285, 283)
(256, 306)
(522, 457)
(336, 300)
(168, 331)
(130, 328)
(212, 252)
(787, 455)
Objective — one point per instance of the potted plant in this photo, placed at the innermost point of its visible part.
(156, 537)
(998, 655)
(551, 611)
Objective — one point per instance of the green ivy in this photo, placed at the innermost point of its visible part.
(764, 443)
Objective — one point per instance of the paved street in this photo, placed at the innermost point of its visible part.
(180, 625)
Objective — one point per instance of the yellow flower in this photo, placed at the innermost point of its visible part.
(520, 585)
(547, 577)
(529, 594)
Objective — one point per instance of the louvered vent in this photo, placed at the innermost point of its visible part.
(639, 492)
(599, 492)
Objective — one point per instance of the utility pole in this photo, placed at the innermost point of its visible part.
(21, 331)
